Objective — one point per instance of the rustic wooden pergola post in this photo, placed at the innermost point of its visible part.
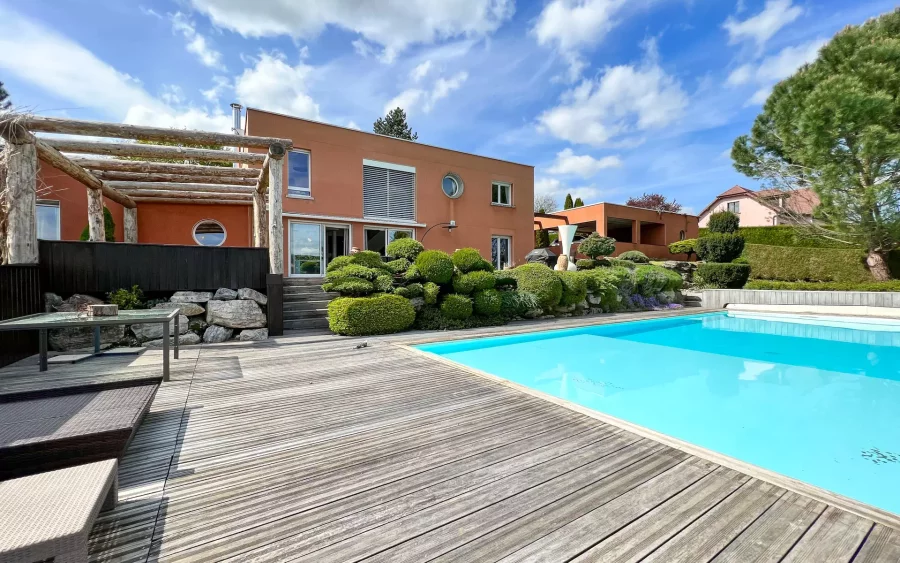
(130, 225)
(96, 224)
(276, 227)
(21, 224)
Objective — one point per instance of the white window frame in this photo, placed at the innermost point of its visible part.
(387, 233)
(219, 223)
(508, 238)
(53, 203)
(736, 204)
(309, 177)
(501, 186)
(322, 227)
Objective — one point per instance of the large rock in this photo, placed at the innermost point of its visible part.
(65, 339)
(152, 331)
(593, 299)
(187, 309)
(684, 269)
(235, 314)
(183, 340)
(216, 333)
(52, 302)
(225, 294)
(78, 302)
(253, 334)
(252, 295)
(191, 297)
(418, 303)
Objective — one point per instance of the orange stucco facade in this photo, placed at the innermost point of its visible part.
(633, 228)
(335, 199)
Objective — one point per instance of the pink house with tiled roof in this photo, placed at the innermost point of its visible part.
(764, 208)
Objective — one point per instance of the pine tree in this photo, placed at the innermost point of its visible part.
(568, 204)
(394, 124)
(578, 203)
(4, 95)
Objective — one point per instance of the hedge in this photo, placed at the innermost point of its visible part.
(541, 281)
(457, 307)
(893, 285)
(435, 266)
(379, 314)
(469, 260)
(807, 264)
(488, 302)
(574, 287)
(783, 235)
(404, 248)
(722, 276)
(622, 263)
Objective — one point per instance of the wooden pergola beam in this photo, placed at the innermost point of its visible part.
(172, 187)
(179, 195)
(149, 167)
(153, 151)
(112, 176)
(262, 183)
(143, 133)
(190, 201)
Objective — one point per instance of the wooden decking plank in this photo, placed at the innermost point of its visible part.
(835, 537)
(883, 544)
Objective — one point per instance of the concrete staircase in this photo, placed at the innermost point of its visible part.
(305, 304)
(692, 298)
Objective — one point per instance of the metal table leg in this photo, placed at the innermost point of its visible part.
(165, 351)
(177, 335)
(43, 348)
(96, 340)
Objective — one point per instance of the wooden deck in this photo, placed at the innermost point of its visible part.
(307, 448)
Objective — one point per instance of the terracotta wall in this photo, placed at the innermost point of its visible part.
(336, 161)
(72, 196)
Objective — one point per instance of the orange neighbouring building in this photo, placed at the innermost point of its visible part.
(343, 188)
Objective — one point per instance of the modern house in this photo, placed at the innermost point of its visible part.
(763, 208)
(634, 228)
(343, 189)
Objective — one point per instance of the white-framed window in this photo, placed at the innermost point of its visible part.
(389, 190)
(734, 206)
(209, 232)
(377, 238)
(501, 250)
(501, 193)
(299, 176)
(48, 219)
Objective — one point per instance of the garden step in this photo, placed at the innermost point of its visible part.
(306, 305)
(306, 324)
(307, 314)
(300, 282)
(320, 296)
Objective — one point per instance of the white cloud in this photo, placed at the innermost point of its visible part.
(557, 189)
(413, 100)
(196, 43)
(761, 27)
(567, 162)
(220, 85)
(625, 99)
(150, 12)
(392, 24)
(571, 25)
(741, 75)
(420, 71)
(352, 125)
(774, 68)
(273, 84)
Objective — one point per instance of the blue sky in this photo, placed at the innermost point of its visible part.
(606, 98)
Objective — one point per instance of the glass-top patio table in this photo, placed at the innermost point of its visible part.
(44, 321)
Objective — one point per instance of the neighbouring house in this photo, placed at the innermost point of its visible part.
(343, 189)
(634, 228)
(763, 208)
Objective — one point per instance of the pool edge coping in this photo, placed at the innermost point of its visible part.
(858, 508)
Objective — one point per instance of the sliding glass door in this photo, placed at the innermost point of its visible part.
(314, 245)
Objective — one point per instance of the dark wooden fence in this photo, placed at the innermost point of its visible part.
(100, 267)
(20, 294)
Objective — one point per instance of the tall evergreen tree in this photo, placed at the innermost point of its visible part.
(394, 124)
(4, 98)
(568, 204)
(578, 202)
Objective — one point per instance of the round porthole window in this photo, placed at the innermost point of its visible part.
(209, 233)
(452, 185)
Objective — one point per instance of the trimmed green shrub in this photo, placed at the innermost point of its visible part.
(541, 238)
(784, 235)
(469, 260)
(384, 284)
(616, 262)
(435, 266)
(807, 264)
(379, 314)
(407, 248)
(309, 267)
(354, 271)
(463, 284)
(349, 286)
(431, 291)
(397, 266)
(620, 278)
(109, 227)
(504, 278)
(674, 281)
(635, 256)
(402, 291)
(431, 318)
(541, 281)
(368, 259)
(488, 302)
(574, 287)
(650, 280)
(587, 264)
(127, 299)
(415, 289)
(687, 246)
(413, 274)
(455, 306)
(722, 276)
(724, 222)
(720, 247)
(510, 305)
(893, 285)
(483, 280)
(595, 246)
(339, 262)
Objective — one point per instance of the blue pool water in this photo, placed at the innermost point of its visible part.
(813, 398)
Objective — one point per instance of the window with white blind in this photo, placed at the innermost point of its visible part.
(389, 191)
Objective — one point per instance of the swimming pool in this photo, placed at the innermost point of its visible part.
(813, 398)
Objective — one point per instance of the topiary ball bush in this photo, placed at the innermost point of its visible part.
(339, 262)
(368, 259)
(309, 267)
(488, 302)
(457, 307)
(483, 280)
(383, 283)
(435, 266)
(415, 289)
(379, 314)
(635, 256)
(469, 260)
(397, 266)
(463, 284)
(430, 292)
(723, 222)
(574, 287)
(504, 278)
(722, 276)
(650, 280)
(720, 247)
(595, 246)
(615, 262)
(349, 286)
(687, 246)
(412, 274)
(540, 280)
(354, 271)
(408, 248)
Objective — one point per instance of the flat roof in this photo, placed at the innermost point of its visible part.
(620, 205)
(385, 136)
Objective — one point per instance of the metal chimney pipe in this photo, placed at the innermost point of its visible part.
(236, 119)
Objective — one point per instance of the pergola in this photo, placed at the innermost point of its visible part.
(130, 173)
